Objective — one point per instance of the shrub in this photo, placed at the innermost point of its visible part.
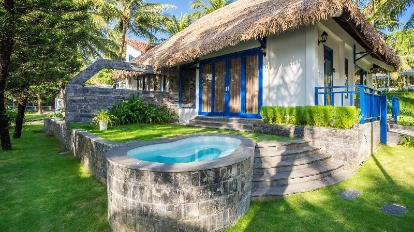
(407, 141)
(320, 116)
(135, 110)
(11, 114)
(104, 116)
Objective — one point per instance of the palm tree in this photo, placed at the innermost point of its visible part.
(133, 16)
(203, 7)
(174, 24)
(385, 14)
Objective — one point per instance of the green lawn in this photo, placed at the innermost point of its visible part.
(152, 132)
(43, 191)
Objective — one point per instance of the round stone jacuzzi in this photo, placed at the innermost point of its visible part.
(189, 183)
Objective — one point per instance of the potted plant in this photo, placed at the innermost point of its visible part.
(103, 118)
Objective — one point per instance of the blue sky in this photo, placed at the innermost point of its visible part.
(184, 6)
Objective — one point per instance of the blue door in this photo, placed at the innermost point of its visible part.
(231, 85)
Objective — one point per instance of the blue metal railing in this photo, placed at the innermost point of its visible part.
(366, 98)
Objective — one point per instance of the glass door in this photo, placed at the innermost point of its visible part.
(230, 85)
(235, 85)
(219, 87)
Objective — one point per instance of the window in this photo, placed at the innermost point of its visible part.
(187, 88)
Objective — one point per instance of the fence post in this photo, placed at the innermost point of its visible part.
(362, 103)
(383, 120)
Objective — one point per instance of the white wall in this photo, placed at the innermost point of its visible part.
(131, 51)
(131, 83)
(284, 81)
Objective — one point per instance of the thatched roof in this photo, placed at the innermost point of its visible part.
(246, 20)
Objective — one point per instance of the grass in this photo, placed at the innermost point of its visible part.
(152, 131)
(43, 191)
(388, 177)
(30, 117)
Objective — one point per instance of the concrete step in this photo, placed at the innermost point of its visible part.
(222, 125)
(290, 152)
(228, 119)
(264, 193)
(274, 177)
(283, 145)
(402, 132)
(286, 161)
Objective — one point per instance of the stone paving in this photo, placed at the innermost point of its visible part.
(350, 194)
(395, 209)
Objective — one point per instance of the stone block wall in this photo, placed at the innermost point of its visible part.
(83, 102)
(203, 200)
(352, 146)
(86, 147)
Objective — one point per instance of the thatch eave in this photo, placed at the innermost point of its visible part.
(246, 20)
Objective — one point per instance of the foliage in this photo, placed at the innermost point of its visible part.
(44, 191)
(320, 116)
(204, 7)
(403, 43)
(407, 141)
(174, 24)
(11, 114)
(55, 115)
(103, 77)
(386, 14)
(405, 120)
(406, 101)
(124, 17)
(135, 110)
(104, 116)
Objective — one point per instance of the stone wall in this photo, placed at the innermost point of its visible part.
(164, 197)
(352, 146)
(83, 102)
(86, 147)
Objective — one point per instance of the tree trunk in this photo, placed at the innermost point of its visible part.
(123, 38)
(39, 104)
(21, 109)
(6, 46)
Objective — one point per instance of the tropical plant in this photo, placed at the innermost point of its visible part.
(386, 14)
(135, 110)
(132, 17)
(204, 7)
(174, 24)
(104, 116)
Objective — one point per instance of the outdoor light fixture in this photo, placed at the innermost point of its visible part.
(324, 37)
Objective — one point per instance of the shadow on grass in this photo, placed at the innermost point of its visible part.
(325, 210)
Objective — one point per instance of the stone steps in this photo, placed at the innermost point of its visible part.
(282, 191)
(283, 161)
(281, 169)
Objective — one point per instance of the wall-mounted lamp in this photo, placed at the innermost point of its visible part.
(324, 38)
(263, 45)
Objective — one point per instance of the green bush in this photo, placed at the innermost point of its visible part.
(320, 116)
(135, 110)
(11, 114)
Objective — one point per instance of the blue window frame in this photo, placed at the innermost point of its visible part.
(227, 58)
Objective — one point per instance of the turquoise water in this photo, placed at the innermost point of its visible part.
(195, 149)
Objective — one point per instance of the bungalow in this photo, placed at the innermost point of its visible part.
(258, 53)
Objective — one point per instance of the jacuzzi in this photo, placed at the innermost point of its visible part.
(189, 183)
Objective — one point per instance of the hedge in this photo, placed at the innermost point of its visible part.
(320, 116)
